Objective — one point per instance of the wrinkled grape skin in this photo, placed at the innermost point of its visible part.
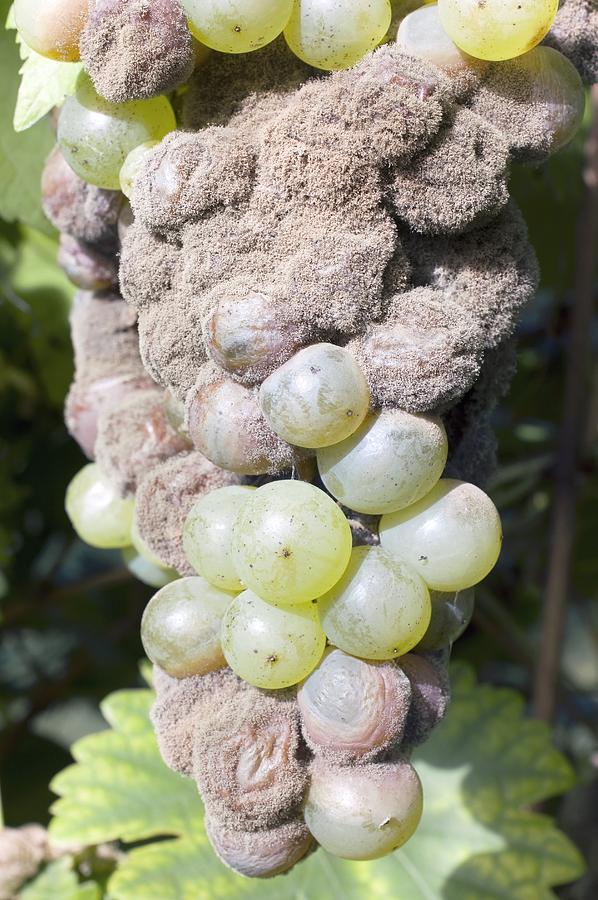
(52, 28)
(268, 646)
(207, 535)
(227, 426)
(451, 614)
(380, 609)
(452, 536)
(180, 628)
(99, 515)
(352, 708)
(85, 266)
(319, 397)
(291, 542)
(96, 137)
(336, 34)
(85, 403)
(497, 29)
(391, 461)
(250, 336)
(363, 812)
(237, 26)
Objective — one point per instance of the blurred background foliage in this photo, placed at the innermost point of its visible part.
(69, 615)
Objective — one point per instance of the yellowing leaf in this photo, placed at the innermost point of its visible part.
(474, 841)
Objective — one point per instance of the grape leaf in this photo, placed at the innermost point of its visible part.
(59, 880)
(21, 155)
(44, 84)
(475, 842)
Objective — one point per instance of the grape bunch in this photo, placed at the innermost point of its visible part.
(300, 271)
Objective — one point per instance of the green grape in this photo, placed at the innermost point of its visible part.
(53, 27)
(317, 398)
(497, 29)
(336, 34)
(208, 532)
(363, 812)
(99, 515)
(451, 614)
(391, 461)
(237, 26)
(148, 572)
(421, 35)
(380, 609)
(132, 166)
(96, 136)
(452, 536)
(180, 628)
(268, 646)
(291, 542)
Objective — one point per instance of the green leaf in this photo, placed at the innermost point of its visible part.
(58, 880)
(21, 155)
(474, 842)
(44, 84)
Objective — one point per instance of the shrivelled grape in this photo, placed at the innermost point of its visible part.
(96, 136)
(180, 628)
(52, 27)
(208, 532)
(227, 426)
(99, 515)
(497, 29)
(237, 26)
(452, 536)
(391, 461)
(291, 542)
(317, 398)
(363, 812)
(451, 614)
(352, 708)
(379, 609)
(336, 34)
(269, 646)
(86, 266)
(250, 336)
(260, 854)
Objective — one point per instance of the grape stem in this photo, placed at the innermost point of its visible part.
(566, 474)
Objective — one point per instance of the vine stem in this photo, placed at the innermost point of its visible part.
(577, 387)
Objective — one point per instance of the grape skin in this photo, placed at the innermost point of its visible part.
(99, 515)
(96, 136)
(497, 29)
(391, 461)
(319, 397)
(207, 535)
(336, 34)
(380, 609)
(451, 614)
(180, 628)
(237, 26)
(345, 807)
(268, 646)
(132, 166)
(452, 536)
(52, 28)
(291, 542)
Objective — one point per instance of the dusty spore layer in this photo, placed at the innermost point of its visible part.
(134, 49)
